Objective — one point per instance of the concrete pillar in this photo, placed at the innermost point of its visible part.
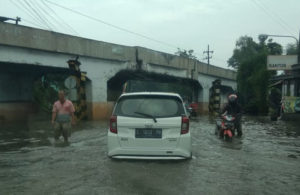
(215, 99)
(292, 88)
(80, 104)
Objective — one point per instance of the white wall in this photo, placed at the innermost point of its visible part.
(33, 57)
(99, 72)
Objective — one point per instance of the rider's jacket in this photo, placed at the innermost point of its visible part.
(232, 109)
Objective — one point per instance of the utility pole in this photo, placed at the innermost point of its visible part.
(208, 52)
(299, 49)
(18, 19)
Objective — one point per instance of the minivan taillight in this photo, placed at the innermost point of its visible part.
(113, 124)
(185, 124)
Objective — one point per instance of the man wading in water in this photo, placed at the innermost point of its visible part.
(62, 117)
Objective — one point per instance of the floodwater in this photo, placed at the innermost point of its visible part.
(266, 160)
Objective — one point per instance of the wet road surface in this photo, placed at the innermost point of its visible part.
(266, 160)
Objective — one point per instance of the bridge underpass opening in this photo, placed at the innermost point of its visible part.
(29, 90)
(141, 81)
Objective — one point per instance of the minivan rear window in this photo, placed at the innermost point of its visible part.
(156, 106)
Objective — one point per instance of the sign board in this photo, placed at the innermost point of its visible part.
(71, 82)
(290, 104)
(281, 62)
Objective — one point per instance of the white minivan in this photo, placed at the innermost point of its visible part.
(149, 125)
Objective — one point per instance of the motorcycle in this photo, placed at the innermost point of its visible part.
(226, 127)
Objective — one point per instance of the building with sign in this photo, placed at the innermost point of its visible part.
(289, 83)
(281, 62)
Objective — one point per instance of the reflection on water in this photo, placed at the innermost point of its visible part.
(266, 160)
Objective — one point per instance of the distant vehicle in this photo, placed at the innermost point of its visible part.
(194, 108)
(149, 125)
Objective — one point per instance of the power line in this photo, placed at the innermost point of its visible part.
(60, 20)
(32, 13)
(42, 18)
(271, 16)
(38, 22)
(56, 21)
(21, 5)
(27, 7)
(41, 14)
(221, 60)
(37, 14)
(27, 11)
(278, 16)
(200, 56)
(32, 23)
(112, 25)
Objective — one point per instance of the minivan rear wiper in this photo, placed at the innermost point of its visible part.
(147, 115)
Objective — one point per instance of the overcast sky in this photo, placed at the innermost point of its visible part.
(185, 24)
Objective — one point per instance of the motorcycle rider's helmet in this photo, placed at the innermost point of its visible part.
(232, 99)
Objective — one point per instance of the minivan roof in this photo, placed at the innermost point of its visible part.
(151, 93)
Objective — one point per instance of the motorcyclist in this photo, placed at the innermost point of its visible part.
(234, 109)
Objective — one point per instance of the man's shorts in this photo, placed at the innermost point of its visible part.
(63, 129)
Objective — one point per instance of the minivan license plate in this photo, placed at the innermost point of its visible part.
(148, 133)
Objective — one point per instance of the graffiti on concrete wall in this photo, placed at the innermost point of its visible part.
(291, 104)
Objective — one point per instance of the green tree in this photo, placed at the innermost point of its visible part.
(249, 59)
(186, 53)
(46, 88)
(292, 49)
(274, 48)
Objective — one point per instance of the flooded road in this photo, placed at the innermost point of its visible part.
(266, 160)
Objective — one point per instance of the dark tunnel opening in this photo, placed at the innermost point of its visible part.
(141, 81)
(29, 89)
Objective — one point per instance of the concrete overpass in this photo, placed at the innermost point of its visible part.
(28, 53)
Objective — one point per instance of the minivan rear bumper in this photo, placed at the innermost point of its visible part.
(182, 151)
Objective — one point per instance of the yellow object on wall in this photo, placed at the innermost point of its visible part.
(290, 104)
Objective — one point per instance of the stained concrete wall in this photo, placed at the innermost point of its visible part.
(15, 96)
(16, 111)
(164, 59)
(99, 71)
(101, 61)
(27, 37)
(15, 87)
(36, 39)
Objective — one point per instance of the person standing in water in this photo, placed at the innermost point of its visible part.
(62, 117)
